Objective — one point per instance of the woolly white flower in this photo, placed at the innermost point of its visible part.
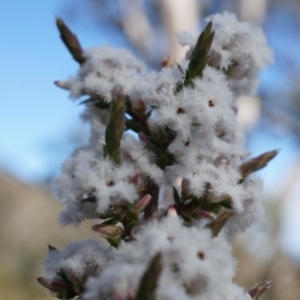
(97, 119)
(87, 174)
(240, 49)
(136, 154)
(156, 87)
(252, 208)
(196, 265)
(106, 71)
(78, 259)
(204, 106)
(66, 270)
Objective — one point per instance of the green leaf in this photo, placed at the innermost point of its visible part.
(186, 217)
(135, 126)
(260, 289)
(217, 225)
(113, 241)
(256, 164)
(166, 159)
(70, 40)
(149, 281)
(132, 214)
(226, 203)
(63, 276)
(199, 56)
(132, 224)
(176, 196)
(114, 130)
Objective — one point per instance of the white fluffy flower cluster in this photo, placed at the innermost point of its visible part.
(185, 130)
(195, 265)
(239, 49)
(106, 71)
(73, 265)
(86, 174)
(209, 144)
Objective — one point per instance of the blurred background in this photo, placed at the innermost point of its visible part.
(40, 126)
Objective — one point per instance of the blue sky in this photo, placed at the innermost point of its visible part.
(35, 113)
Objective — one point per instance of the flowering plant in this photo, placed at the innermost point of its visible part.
(165, 171)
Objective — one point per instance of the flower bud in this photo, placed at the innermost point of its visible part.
(107, 230)
(143, 202)
(171, 211)
(62, 84)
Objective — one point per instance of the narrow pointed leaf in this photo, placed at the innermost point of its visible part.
(186, 217)
(64, 276)
(199, 56)
(114, 242)
(176, 196)
(149, 281)
(71, 41)
(217, 225)
(260, 289)
(256, 163)
(114, 130)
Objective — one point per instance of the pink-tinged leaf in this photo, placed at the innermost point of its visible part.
(44, 282)
(53, 285)
(143, 202)
(206, 214)
(256, 163)
(107, 230)
(260, 289)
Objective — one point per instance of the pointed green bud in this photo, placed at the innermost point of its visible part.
(217, 224)
(199, 56)
(71, 41)
(114, 130)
